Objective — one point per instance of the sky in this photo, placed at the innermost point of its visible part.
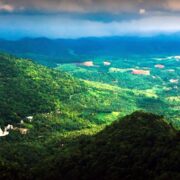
(88, 18)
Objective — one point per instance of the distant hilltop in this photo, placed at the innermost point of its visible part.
(54, 51)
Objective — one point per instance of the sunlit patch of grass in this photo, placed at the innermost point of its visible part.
(173, 99)
(147, 93)
(107, 117)
(150, 93)
(103, 86)
(112, 69)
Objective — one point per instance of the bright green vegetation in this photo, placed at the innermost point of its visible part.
(27, 88)
(54, 100)
(70, 114)
(157, 92)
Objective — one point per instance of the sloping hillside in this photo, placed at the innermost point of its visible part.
(138, 146)
(27, 88)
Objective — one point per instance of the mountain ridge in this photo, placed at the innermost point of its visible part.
(137, 146)
(53, 51)
(28, 88)
(68, 137)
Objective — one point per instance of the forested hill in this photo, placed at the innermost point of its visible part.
(138, 146)
(60, 141)
(27, 88)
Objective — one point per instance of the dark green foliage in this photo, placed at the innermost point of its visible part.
(66, 113)
(139, 146)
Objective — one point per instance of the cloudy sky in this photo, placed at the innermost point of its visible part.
(86, 18)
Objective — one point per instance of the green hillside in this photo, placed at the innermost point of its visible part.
(138, 146)
(27, 88)
(157, 91)
(68, 137)
(30, 89)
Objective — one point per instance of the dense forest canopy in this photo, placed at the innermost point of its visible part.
(61, 122)
(138, 146)
(28, 88)
(90, 89)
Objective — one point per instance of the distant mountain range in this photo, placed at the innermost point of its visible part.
(51, 52)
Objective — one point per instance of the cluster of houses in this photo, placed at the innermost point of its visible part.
(91, 63)
(174, 81)
(160, 66)
(6, 130)
(10, 127)
(142, 72)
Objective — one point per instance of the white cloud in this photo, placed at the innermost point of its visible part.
(111, 6)
(6, 7)
(142, 11)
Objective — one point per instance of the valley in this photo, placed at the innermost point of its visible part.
(89, 89)
(53, 113)
(151, 83)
